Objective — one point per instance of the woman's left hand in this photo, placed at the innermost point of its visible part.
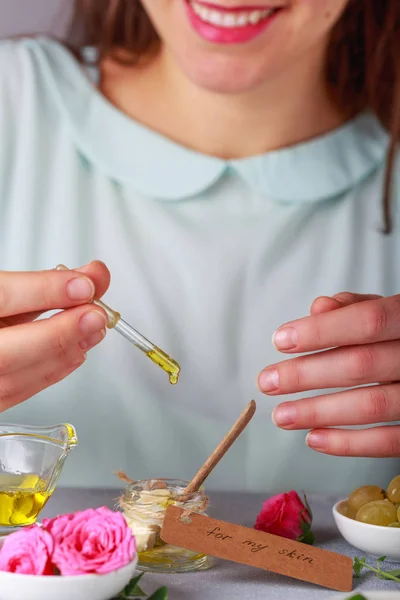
(360, 339)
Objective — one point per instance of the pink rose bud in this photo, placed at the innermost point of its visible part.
(92, 541)
(286, 515)
(27, 551)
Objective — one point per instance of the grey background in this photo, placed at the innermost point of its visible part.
(33, 16)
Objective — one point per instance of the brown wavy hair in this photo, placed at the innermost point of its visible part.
(363, 62)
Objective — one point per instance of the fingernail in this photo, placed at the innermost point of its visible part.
(317, 441)
(284, 415)
(285, 339)
(80, 288)
(92, 322)
(93, 340)
(268, 380)
(79, 361)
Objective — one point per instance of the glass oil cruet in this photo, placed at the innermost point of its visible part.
(31, 461)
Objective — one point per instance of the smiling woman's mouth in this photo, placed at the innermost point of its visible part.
(229, 25)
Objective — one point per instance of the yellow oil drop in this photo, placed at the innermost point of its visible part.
(170, 366)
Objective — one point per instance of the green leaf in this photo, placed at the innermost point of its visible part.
(395, 572)
(307, 537)
(357, 597)
(359, 564)
(389, 574)
(305, 527)
(133, 589)
(381, 559)
(359, 560)
(308, 507)
(160, 594)
(137, 592)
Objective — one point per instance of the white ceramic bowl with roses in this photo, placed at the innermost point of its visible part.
(87, 555)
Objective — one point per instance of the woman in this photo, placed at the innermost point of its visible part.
(232, 165)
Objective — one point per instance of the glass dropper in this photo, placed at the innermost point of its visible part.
(158, 356)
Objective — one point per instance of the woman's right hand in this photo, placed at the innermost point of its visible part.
(37, 354)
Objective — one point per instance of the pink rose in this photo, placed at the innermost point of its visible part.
(286, 515)
(27, 551)
(91, 541)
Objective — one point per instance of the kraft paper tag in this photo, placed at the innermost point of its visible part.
(257, 549)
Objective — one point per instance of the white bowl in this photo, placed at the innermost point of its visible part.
(374, 540)
(14, 586)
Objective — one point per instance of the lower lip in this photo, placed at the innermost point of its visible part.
(227, 35)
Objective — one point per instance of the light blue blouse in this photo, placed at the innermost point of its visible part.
(207, 258)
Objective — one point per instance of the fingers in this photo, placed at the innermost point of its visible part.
(35, 292)
(375, 442)
(341, 367)
(18, 387)
(363, 335)
(329, 303)
(99, 274)
(18, 319)
(363, 406)
(66, 335)
(360, 323)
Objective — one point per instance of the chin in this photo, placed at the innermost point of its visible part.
(231, 75)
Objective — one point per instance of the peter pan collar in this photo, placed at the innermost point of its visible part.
(156, 166)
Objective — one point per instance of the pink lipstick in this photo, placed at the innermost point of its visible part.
(222, 25)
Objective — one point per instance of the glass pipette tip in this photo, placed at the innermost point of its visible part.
(158, 356)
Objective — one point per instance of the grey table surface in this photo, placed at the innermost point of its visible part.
(227, 580)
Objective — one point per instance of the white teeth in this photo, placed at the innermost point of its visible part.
(242, 20)
(215, 18)
(255, 17)
(230, 19)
